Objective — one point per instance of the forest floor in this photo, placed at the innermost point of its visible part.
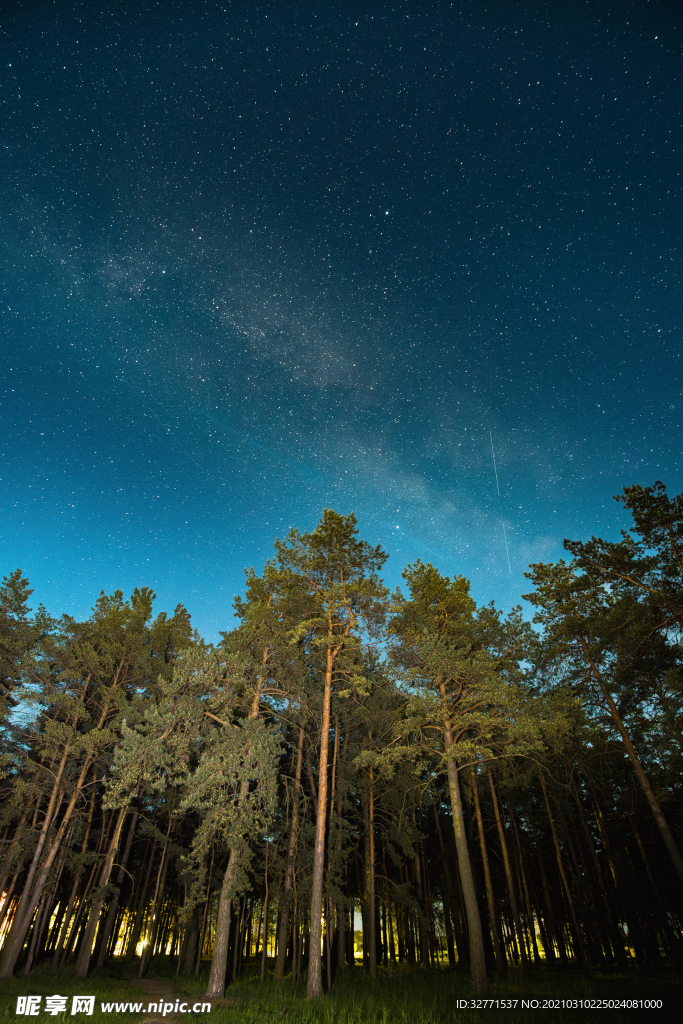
(399, 996)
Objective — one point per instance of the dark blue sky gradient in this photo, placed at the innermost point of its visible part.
(262, 259)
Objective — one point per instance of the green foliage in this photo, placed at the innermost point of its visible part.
(461, 663)
(403, 705)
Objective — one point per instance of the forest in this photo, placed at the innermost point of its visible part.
(353, 778)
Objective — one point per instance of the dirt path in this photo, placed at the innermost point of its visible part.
(161, 990)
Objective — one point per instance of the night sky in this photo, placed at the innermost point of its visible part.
(263, 259)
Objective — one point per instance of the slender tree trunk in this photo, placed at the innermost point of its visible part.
(154, 915)
(140, 907)
(652, 800)
(114, 905)
(8, 898)
(555, 928)
(329, 938)
(501, 962)
(56, 797)
(192, 940)
(577, 931)
(423, 951)
(43, 909)
(508, 874)
(205, 914)
(331, 861)
(83, 962)
(289, 873)
(296, 945)
(72, 899)
(341, 937)
(239, 920)
(68, 914)
(219, 960)
(477, 955)
(370, 893)
(264, 951)
(615, 936)
(37, 876)
(341, 911)
(23, 916)
(315, 985)
(390, 926)
(448, 901)
(48, 904)
(244, 931)
(524, 886)
(76, 930)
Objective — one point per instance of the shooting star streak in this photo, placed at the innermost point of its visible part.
(494, 463)
(495, 470)
(507, 552)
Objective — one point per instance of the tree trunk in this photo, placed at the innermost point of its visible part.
(8, 897)
(448, 895)
(83, 962)
(652, 800)
(14, 942)
(577, 932)
(114, 905)
(501, 962)
(289, 874)
(370, 880)
(477, 955)
(205, 914)
(219, 960)
(264, 949)
(47, 906)
(341, 937)
(314, 987)
(154, 916)
(525, 887)
(140, 908)
(508, 874)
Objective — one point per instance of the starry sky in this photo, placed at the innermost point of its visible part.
(259, 259)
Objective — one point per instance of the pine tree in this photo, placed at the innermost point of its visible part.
(343, 603)
(462, 674)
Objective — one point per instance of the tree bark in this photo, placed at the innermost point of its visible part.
(114, 905)
(264, 951)
(501, 962)
(652, 800)
(289, 873)
(508, 874)
(370, 880)
(314, 986)
(577, 932)
(448, 901)
(524, 886)
(134, 937)
(219, 960)
(477, 955)
(23, 916)
(158, 892)
(83, 961)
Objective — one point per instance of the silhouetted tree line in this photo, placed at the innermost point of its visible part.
(408, 776)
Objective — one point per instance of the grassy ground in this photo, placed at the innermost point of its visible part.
(42, 982)
(399, 996)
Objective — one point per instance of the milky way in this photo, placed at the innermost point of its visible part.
(267, 259)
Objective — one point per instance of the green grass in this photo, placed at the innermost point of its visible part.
(399, 996)
(43, 982)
